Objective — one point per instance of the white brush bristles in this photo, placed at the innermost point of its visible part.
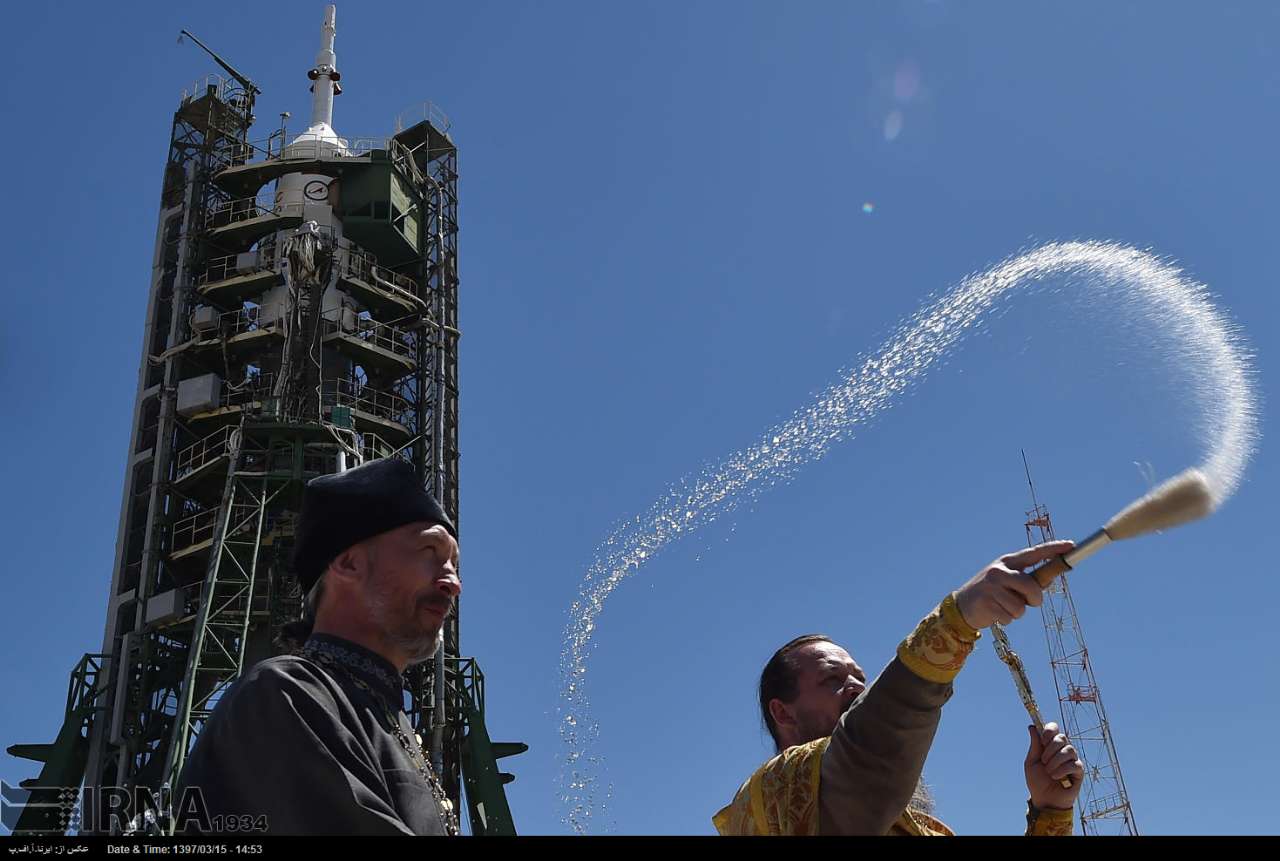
(1181, 499)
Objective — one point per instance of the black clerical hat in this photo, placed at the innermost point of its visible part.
(345, 508)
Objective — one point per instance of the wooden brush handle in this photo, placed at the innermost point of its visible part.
(1049, 571)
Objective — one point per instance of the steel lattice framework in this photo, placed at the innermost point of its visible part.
(1103, 805)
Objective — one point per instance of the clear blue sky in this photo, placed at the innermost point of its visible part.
(663, 252)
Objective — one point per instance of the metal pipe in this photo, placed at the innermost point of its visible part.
(396, 289)
(438, 718)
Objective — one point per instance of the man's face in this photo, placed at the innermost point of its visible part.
(412, 584)
(828, 680)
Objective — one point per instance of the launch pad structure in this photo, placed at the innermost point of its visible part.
(302, 318)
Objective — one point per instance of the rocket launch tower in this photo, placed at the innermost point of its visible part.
(303, 318)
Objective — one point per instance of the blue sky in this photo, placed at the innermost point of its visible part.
(664, 251)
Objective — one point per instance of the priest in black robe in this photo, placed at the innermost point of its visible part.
(317, 742)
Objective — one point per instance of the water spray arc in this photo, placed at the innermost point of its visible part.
(1180, 308)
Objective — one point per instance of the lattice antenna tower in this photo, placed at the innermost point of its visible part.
(1103, 805)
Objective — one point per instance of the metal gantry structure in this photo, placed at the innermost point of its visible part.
(1103, 804)
(303, 318)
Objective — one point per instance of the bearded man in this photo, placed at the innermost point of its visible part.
(317, 742)
(850, 755)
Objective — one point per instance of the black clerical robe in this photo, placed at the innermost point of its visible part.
(300, 745)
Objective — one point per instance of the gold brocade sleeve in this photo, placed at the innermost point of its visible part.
(916, 823)
(936, 650)
(1049, 823)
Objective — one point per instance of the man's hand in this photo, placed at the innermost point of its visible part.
(1050, 759)
(1001, 592)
